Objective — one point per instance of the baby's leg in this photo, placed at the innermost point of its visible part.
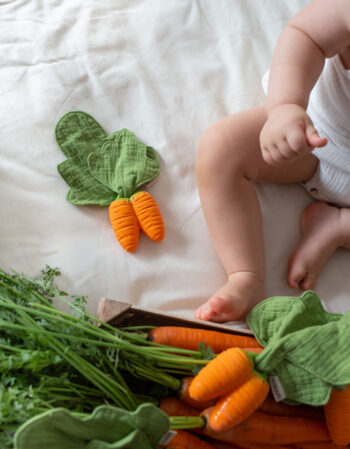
(229, 160)
(324, 228)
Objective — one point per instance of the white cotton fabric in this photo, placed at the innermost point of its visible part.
(166, 70)
(329, 109)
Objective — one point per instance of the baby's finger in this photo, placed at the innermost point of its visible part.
(286, 150)
(272, 156)
(313, 138)
(316, 141)
(297, 140)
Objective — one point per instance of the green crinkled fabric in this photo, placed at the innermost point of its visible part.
(107, 427)
(305, 346)
(101, 167)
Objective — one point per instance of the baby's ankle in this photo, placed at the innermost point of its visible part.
(254, 276)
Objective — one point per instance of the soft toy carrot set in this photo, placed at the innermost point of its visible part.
(306, 354)
(111, 170)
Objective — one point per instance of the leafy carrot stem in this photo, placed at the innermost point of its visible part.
(187, 422)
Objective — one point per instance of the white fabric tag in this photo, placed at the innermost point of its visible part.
(277, 388)
(167, 437)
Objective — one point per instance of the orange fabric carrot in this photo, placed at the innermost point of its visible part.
(260, 428)
(337, 413)
(271, 407)
(186, 440)
(235, 407)
(184, 395)
(148, 215)
(221, 375)
(189, 338)
(124, 223)
(175, 407)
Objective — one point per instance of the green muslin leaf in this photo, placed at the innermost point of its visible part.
(100, 167)
(107, 427)
(79, 135)
(124, 163)
(305, 346)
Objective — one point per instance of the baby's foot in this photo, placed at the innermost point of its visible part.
(234, 300)
(322, 232)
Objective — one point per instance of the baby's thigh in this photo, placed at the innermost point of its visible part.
(232, 144)
(241, 137)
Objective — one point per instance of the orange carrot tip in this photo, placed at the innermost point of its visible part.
(148, 215)
(236, 406)
(124, 223)
(221, 375)
(337, 414)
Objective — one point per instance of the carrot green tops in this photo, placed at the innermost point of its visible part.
(107, 170)
(306, 347)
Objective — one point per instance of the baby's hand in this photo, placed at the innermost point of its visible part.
(288, 134)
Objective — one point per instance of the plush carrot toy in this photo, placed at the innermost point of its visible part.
(238, 405)
(223, 374)
(110, 170)
(231, 377)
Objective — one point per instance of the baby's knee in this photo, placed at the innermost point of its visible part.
(220, 150)
(213, 151)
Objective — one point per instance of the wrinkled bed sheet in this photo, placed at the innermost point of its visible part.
(166, 71)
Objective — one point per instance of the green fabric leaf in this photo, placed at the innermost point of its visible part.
(305, 346)
(124, 163)
(100, 167)
(84, 188)
(107, 427)
(78, 135)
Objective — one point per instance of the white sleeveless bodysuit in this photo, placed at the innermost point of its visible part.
(329, 109)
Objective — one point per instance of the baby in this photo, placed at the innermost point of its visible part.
(279, 143)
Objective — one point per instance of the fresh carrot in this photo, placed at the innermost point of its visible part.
(241, 445)
(148, 215)
(319, 445)
(221, 445)
(337, 413)
(124, 223)
(189, 338)
(256, 350)
(175, 407)
(184, 395)
(186, 440)
(260, 428)
(235, 407)
(271, 407)
(221, 375)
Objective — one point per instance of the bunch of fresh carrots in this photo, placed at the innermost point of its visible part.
(234, 400)
(49, 359)
(128, 215)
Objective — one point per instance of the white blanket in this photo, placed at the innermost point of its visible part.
(165, 70)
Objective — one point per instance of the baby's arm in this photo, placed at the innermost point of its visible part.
(318, 31)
